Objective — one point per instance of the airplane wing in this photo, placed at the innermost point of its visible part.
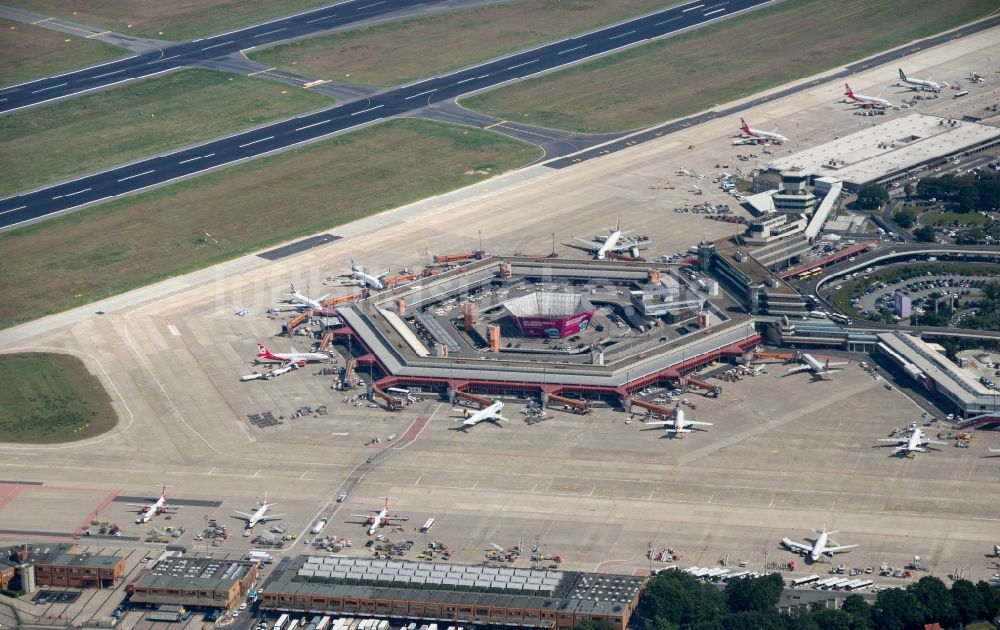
(242, 514)
(703, 424)
(838, 548)
(657, 424)
(139, 505)
(383, 274)
(273, 517)
(894, 440)
(801, 368)
(794, 546)
(935, 442)
(593, 244)
(838, 363)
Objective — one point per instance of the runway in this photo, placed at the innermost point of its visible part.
(183, 54)
(30, 207)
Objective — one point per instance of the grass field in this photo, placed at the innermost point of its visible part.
(30, 52)
(397, 53)
(722, 62)
(49, 398)
(101, 251)
(108, 128)
(176, 19)
(953, 218)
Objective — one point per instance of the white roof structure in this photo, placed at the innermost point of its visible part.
(892, 147)
(545, 304)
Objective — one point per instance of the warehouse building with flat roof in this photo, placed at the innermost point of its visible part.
(886, 153)
(195, 582)
(446, 593)
(61, 564)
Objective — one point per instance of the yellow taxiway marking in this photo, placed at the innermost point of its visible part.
(261, 71)
(97, 34)
(496, 124)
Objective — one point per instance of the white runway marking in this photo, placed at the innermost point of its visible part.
(51, 87)
(713, 12)
(277, 30)
(366, 110)
(697, 6)
(522, 64)
(622, 35)
(200, 157)
(321, 19)
(256, 141)
(77, 192)
(563, 52)
(108, 74)
(217, 45)
(322, 122)
(137, 175)
(421, 94)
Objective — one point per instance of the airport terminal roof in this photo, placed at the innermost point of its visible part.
(65, 555)
(959, 382)
(460, 584)
(548, 304)
(888, 148)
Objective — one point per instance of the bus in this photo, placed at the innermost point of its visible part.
(280, 623)
(803, 581)
(841, 319)
(428, 524)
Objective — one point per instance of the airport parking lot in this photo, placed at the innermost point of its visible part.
(784, 455)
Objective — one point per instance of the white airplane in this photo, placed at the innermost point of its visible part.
(260, 514)
(975, 77)
(613, 242)
(866, 101)
(914, 442)
(756, 136)
(818, 548)
(148, 511)
(819, 370)
(307, 301)
(374, 520)
(918, 84)
(263, 354)
(677, 424)
(363, 279)
(488, 414)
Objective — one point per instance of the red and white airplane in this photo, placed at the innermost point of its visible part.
(263, 354)
(149, 510)
(756, 136)
(260, 515)
(867, 102)
(380, 518)
(820, 371)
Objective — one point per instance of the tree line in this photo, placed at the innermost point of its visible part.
(676, 600)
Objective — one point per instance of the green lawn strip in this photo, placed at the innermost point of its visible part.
(31, 52)
(50, 398)
(722, 62)
(86, 134)
(117, 246)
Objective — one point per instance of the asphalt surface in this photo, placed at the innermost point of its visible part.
(182, 54)
(126, 179)
(678, 125)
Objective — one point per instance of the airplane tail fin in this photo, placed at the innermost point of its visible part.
(901, 75)
(744, 127)
(849, 92)
(261, 350)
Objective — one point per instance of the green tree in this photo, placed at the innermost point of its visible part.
(924, 234)
(859, 611)
(903, 219)
(968, 602)
(935, 600)
(872, 197)
(676, 598)
(909, 190)
(754, 620)
(830, 619)
(896, 609)
(754, 594)
(991, 598)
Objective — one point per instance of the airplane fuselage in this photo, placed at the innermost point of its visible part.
(378, 521)
(609, 244)
(484, 414)
(817, 549)
(258, 516)
(306, 301)
(152, 510)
